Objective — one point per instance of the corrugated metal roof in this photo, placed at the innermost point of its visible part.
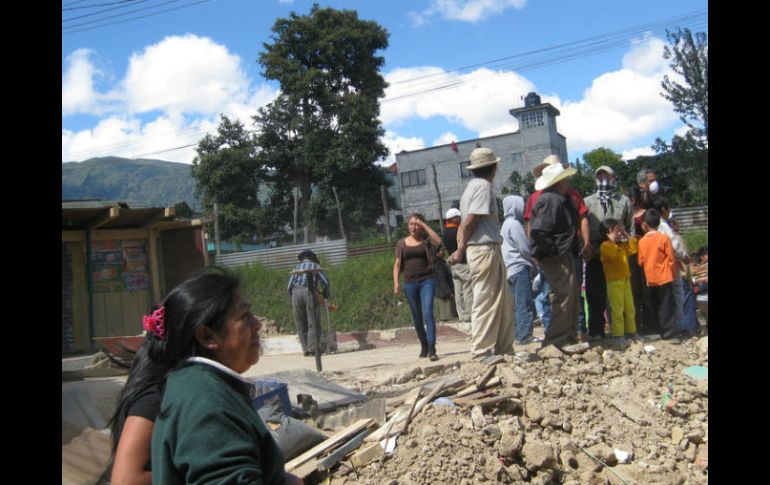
(336, 252)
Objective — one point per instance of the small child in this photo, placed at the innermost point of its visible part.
(614, 256)
(656, 256)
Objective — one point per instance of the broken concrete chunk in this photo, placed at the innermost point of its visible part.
(534, 411)
(538, 455)
(676, 435)
(550, 352)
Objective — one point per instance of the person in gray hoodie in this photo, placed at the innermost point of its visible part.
(519, 266)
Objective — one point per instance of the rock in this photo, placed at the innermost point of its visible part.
(604, 453)
(591, 356)
(490, 434)
(477, 417)
(696, 436)
(702, 457)
(553, 391)
(511, 439)
(567, 456)
(550, 352)
(594, 368)
(534, 411)
(703, 345)
(689, 455)
(676, 435)
(567, 427)
(434, 369)
(538, 455)
(407, 375)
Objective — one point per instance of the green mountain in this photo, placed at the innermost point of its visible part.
(140, 182)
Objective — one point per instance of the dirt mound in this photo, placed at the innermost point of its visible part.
(632, 407)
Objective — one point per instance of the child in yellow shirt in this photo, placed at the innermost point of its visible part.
(614, 253)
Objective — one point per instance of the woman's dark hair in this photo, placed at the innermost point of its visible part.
(204, 299)
(639, 197)
(416, 215)
(662, 204)
(606, 226)
(308, 254)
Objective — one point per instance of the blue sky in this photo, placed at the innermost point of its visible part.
(153, 86)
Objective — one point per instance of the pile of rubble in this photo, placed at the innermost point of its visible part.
(589, 415)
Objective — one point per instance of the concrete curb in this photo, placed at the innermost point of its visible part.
(364, 340)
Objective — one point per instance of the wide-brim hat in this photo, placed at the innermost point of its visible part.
(549, 160)
(604, 168)
(553, 174)
(482, 157)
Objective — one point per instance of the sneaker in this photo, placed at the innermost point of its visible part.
(531, 340)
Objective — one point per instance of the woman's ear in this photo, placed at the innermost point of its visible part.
(206, 338)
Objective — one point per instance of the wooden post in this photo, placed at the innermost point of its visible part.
(438, 194)
(339, 213)
(386, 211)
(154, 267)
(296, 212)
(216, 229)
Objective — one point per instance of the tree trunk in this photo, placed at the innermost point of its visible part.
(295, 191)
(339, 213)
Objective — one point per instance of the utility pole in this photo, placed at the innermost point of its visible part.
(438, 194)
(296, 212)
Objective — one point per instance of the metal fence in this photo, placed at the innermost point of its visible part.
(335, 252)
(692, 218)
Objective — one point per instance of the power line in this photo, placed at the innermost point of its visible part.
(100, 12)
(136, 18)
(110, 17)
(95, 5)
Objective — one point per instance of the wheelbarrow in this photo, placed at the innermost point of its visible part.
(122, 349)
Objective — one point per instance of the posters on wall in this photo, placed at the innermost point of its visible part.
(120, 265)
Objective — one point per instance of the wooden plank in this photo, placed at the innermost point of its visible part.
(475, 388)
(411, 402)
(486, 401)
(113, 234)
(486, 376)
(510, 376)
(472, 397)
(366, 455)
(338, 455)
(336, 439)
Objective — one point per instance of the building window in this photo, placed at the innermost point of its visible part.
(464, 172)
(532, 119)
(517, 158)
(412, 178)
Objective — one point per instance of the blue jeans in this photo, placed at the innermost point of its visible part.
(419, 294)
(581, 301)
(521, 287)
(543, 302)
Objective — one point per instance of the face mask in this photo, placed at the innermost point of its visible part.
(654, 187)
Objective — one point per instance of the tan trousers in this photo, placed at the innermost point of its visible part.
(560, 273)
(492, 317)
(461, 276)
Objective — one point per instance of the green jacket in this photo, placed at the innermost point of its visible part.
(208, 432)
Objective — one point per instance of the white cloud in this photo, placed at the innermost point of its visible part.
(396, 144)
(682, 130)
(445, 138)
(78, 94)
(637, 152)
(620, 106)
(187, 74)
(464, 10)
(288, 2)
(646, 57)
(480, 103)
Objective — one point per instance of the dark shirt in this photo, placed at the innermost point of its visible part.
(553, 227)
(450, 242)
(146, 404)
(416, 265)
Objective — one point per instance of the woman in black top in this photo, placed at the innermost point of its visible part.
(414, 258)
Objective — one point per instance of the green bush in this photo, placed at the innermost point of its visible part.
(362, 289)
(695, 239)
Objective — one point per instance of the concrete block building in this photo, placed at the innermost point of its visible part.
(444, 166)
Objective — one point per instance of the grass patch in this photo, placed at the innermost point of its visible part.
(695, 239)
(362, 289)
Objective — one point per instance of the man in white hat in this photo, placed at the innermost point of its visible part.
(461, 274)
(605, 203)
(580, 206)
(554, 235)
(492, 317)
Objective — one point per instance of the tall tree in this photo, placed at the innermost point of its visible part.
(603, 156)
(689, 58)
(324, 124)
(226, 172)
(522, 186)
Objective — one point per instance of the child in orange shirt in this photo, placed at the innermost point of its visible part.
(614, 252)
(656, 256)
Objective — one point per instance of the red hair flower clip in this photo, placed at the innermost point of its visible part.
(154, 323)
